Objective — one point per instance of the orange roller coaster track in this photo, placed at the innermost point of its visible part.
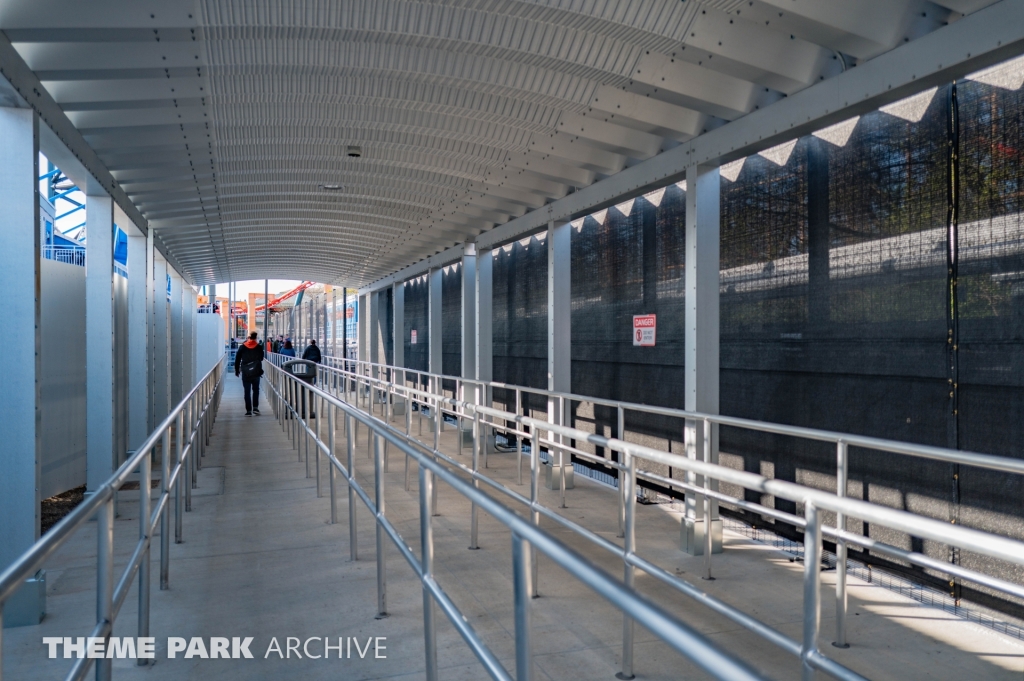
(295, 291)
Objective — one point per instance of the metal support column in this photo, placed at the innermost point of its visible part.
(701, 344)
(20, 417)
(435, 341)
(469, 303)
(99, 340)
(398, 337)
(160, 337)
(559, 467)
(138, 339)
(175, 344)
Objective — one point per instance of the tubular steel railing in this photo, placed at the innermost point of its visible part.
(293, 399)
(192, 423)
(367, 387)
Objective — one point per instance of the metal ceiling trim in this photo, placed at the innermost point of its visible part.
(981, 39)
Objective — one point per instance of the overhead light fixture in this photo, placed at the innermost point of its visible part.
(354, 152)
(331, 187)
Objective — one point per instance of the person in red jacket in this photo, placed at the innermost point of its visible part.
(249, 365)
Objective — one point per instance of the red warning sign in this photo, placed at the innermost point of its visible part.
(644, 327)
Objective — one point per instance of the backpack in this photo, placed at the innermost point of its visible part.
(252, 369)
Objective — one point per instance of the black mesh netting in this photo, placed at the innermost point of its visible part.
(417, 355)
(451, 323)
(872, 282)
(626, 266)
(520, 309)
(990, 306)
(832, 313)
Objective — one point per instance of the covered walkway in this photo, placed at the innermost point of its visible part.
(261, 559)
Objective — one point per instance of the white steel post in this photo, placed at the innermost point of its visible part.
(99, 339)
(20, 413)
(483, 318)
(701, 344)
(161, 335)
(138, 339)
(434, 338)
(175, 344)
(559, 468)
(469, 312)
(151, 331)
(362, 330)
(398, 334)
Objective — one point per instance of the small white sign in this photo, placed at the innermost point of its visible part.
(644, 327)
(413, 342)
(298, 368)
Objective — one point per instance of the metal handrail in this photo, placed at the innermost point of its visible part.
(293, 396)
(358, 385)
(197, 411)
(558, 401)
(968, 458)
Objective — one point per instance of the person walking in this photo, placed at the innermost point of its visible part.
(312, 352)
(287, 350)
(249, 365)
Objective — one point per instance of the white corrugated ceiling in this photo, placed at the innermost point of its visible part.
(224, 120)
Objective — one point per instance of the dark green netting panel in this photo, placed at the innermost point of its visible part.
(628, 261)
(833, 314)
(417, 355)
(451, 323)
(519, 319)
(989, 326)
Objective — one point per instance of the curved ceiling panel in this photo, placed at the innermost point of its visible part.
(231, 123)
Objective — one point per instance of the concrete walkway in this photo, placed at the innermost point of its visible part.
(261, 559)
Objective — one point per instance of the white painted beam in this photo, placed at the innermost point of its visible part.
(701, 344)
(20, 372)
(398, 330)
(99, 340)
(434, 317)
(469, 312)
(138, 342)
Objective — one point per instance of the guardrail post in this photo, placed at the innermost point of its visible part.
(522, 591)
(145, 476)
(378, 476)
(408, 431)
(708, 535)
(320, 417)
(178, 506)
(307, 415)
(438, 419)
(842, 475)
(165, 517)
(352, 536)
(185, 476)
(534, 500)
(519, 438)
(474, 524)
(627, 477)
(561, 450)
(330, 464)
(386, 413)
(105, 581)
(427, 566)
(293, 387)
(812, 594)
(621, 434)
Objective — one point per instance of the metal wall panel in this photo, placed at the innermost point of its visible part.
(62, 385)
(120, 294)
